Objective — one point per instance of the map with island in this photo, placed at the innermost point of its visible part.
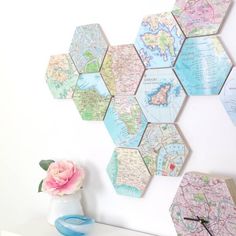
(159, 40)
(160, 95)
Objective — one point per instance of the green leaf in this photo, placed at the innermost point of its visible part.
(44, 164)
(40, 187)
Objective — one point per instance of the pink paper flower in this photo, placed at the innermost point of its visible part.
(63, 177)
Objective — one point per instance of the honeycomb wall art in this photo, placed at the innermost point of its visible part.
(138, 90)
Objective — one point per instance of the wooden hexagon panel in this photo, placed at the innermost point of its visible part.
(88, 48)
(122, 70)
(125, 121)
(61, 76)
(160, 95)
(163, 149)
(204, 205)
(228, 95)
(200, 17)
(139, 89)
(159, 40)
(91, 96)
(203, 65)
(128, 173)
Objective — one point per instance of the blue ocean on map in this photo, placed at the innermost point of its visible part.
(93, 81)
(203, 66)
(156, 57)
(118, 130)
(228, 96)
(160, 95)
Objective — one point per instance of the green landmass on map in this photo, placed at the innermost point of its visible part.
(91, 104)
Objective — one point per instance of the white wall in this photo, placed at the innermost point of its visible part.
(34, 126)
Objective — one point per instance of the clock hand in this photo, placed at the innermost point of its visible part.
(207, 229)
(198, 219)
(203, 222)
(192, 219)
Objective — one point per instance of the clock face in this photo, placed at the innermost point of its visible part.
(204, 205)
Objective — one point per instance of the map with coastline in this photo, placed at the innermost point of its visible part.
(163, 149)
(88, 48)
(128, 173)
(91, 96)
(125, 121)
(160, 95)
(159, 40)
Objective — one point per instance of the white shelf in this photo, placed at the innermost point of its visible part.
(40, 227)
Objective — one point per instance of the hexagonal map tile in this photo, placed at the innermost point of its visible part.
(122, 70)
(160, 95)
(91, 96)
(163, 149)
(128, 173)
(61, 76)
(200, 17)
(203, 66)
(125, 121)
(228, 95)
(206, 197)
(88, 48)
(159, 40)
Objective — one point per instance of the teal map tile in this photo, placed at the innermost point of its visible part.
(128, 173)
(159, 40)
(160, 95)
(203, 66)
(91, 96)
(125, 121)
(228, 95)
